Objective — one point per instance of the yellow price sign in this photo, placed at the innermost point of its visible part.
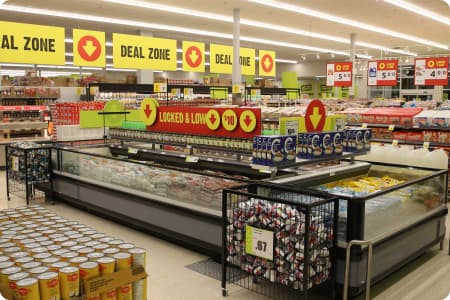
(247, 61)
(394, 142)
(221, 59)
(391, 127)
(364, 125)
(149, 111)
(193, 57)
(33, 44)
(141, 52)
(229, 120)
(247, 121)
(426, 145)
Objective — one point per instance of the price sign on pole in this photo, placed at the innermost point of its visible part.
(431, 71)
(382, 73)
(339, 74)
(259, 242)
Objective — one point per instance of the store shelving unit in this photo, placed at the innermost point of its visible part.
(275, 93)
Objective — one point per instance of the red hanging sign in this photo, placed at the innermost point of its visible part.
(431, 71)
(339, 74)
(382, 73)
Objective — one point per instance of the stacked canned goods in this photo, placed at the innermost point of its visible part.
(46, 257)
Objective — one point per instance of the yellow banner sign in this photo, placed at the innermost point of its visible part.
(140, 52)
(221, 59)
(89, 48)
(267, 66)
(193, 57)
(33, 44)
(247, 61)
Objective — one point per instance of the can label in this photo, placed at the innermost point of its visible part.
(106, 268)
(49, 289)
(111, 295)
(124, 292)
(70, 285)
(140, 290)
(94, 297)
(29, 292)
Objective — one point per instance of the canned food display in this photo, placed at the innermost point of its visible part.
(45, 257)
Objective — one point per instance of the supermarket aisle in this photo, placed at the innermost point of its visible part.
(169, 279)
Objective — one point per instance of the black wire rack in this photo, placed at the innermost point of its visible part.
(28, 168)
(283, 239)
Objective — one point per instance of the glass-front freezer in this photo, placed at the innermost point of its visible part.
(400, 209)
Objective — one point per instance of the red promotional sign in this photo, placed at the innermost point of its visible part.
(193, 56)
(315, 116)
(267, 63)
(339, 74)
(382, 73)
(431, 71)
(89, 48)
(223, 122)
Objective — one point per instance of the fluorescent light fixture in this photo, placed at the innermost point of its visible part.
(447, 1)
(120, 70)
(387, 50)
(92, 18)
(420, 11)
(257, 24)
(2, 1)
(347, 22)
(12, 72)
(17, 65)
(92, 68)
(57, 67)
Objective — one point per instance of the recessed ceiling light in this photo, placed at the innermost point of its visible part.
(318, 56)
(420, 11)
(224, 18)
(347, 22)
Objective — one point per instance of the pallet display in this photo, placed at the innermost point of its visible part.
(46, 256)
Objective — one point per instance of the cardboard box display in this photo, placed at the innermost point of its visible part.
(274, 150)
(105, 283)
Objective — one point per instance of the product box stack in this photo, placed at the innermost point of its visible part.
(274, 150)
(313, 145)
(391, 116)
(46, 257)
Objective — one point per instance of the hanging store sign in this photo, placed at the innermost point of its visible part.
(224, 122)
(193, 57)
(339, 74)
(32, 44)
(140, 52)
(382, 73)
(267, 65)
(221, 60)
(431, 71)
(89, 49)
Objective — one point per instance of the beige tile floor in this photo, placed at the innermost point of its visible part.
(427, 278)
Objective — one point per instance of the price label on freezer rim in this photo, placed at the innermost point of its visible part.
(259, 242)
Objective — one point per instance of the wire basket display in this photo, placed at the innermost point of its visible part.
(28, 167)
(282, 238)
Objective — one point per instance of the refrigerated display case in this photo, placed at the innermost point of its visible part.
(180, 204)
(400, 210)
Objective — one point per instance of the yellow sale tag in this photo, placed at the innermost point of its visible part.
(89, 48)
(220, 59)
(141, 52)
(267, 66)
(247, 61)
(391, 127)
(33, 44)
(193, 57)
(364, 125)
(395, 142)
(426, 145)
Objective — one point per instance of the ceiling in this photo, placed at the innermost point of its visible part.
(373, 12)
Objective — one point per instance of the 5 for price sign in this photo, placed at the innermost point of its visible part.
(259, 242)
(339, 74)
(382, 73)
(431, 71)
